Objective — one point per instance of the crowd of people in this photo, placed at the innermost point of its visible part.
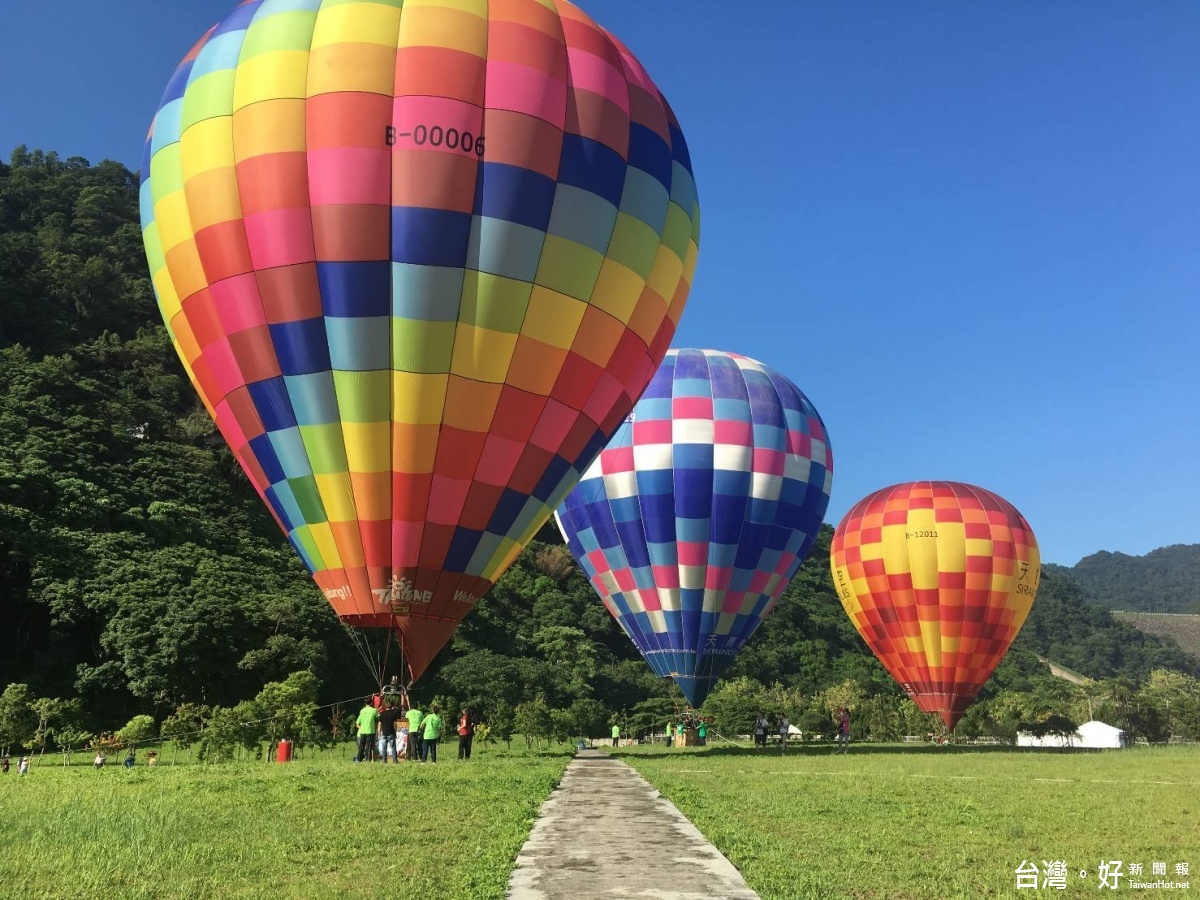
(22, 765)
(781, 726)
(390, 728)
(688, 729)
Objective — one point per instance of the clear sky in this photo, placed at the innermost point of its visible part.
(968, 231)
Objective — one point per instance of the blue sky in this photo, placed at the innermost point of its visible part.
(967, 231)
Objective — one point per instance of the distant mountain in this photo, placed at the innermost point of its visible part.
(1166, 580)
(1068, 630)
(1181, 628)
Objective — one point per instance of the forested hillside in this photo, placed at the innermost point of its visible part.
(139, 572)
(1164, 580)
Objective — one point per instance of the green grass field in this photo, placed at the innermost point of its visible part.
(882, 822)
(317, 827)
(934, 822)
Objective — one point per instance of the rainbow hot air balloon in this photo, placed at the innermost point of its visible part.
(419, 260)
(700, 510)
(938, 577)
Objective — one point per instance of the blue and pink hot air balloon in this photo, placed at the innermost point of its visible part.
(700, 510)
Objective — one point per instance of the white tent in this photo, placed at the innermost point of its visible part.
(1089, 736)
(1099, 735)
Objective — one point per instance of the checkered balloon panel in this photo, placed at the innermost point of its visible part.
(700, 510)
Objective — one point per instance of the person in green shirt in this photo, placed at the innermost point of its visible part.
(616, 735)
(702, 733)
(414, 733)
(367, 717)
(431, 730)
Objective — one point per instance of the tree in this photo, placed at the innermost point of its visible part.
(233, 728)
(291, 709)
(1053, 725)
(185, 726)
(1175, 697)
(878, 718)
(562, 725)
(648, 715)
(572, 655)
(18, 721)
(1007, 711)
(48, 711)
(590, 718)
(848, 694)
(532, 719)
(484, 678)
(502, 722)
(138, 730)
(914, 720)
(69, 737)
(734, 705)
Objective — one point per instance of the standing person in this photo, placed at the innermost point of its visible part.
(466, 733)
(431, 730)
(616, 734)
(760, 732)
(4, 765)
(414, 733)
(670, 733)
(702, 733)
(843, 730)
(387, 731)
(365, 725)
(402, 736)
(23, 766)
(784, 729)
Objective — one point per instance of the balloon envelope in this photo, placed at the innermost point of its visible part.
(938, 577)
(700, 510)
(419, 260)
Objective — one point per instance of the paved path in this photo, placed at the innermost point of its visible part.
(606, 833)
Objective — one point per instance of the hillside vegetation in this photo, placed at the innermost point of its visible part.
(141, 576)
(1164, 580)
(1180, 628)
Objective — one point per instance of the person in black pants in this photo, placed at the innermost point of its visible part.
(387, 730)
(466, 733)
(368, 716)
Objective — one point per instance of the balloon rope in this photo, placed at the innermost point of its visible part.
(405, 681)
(358, 638)
(387, 652)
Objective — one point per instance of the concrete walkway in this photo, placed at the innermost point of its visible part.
(605, 832)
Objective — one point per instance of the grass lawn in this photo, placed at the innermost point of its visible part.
(935, 822)
(318, 827)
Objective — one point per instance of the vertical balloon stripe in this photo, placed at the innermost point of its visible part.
(698, 512)
(418, 259)
(347, 108)
(938, 577)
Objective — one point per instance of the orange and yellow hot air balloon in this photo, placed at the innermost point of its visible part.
(938, 577)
